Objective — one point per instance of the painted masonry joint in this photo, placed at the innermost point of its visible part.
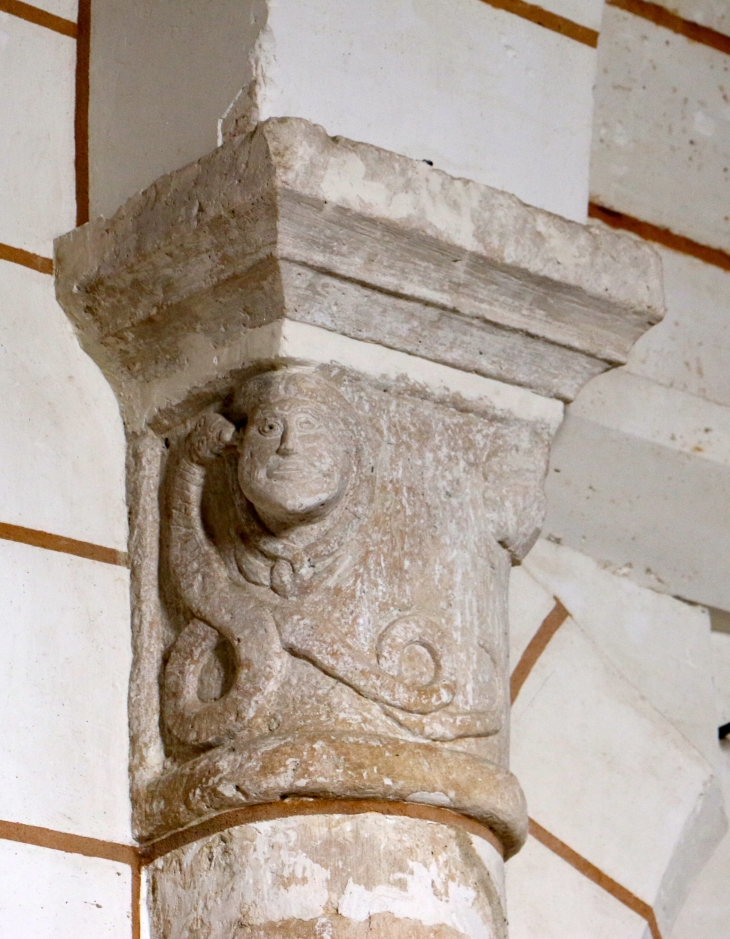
(335, 457)
(220, 816)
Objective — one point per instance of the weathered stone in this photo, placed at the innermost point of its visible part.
(331, 629)
(298, 878)
(288, 222)
(340, 373)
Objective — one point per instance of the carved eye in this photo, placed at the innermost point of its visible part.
(307, 424)
(270, 427)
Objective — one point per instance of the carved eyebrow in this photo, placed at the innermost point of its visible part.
(310, 410)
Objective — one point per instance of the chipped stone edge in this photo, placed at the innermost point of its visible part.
(610, 265)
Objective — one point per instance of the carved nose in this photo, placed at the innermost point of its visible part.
(287, 445)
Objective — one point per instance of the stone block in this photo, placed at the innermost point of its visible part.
(53, 895)
(65, 674)
(634, 626)
(689, 349)
(163, 72)
(637, 506)
(37, 187)
(61, 437)
(660, 117)
(654, 413)
(289, 223)
(480, 92)
(605, 773)
(549, 899)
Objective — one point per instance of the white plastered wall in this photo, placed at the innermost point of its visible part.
(480, 92)
(640, 471)
(485, 94)
(65, 618)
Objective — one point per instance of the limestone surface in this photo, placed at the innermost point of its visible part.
(411, 879)
(340, 371)
(332, 583)
(287, 222)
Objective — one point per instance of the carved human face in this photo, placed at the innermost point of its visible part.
(294, 463)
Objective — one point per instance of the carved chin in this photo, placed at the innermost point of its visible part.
(285, 507)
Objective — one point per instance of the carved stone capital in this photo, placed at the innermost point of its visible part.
(340, 371)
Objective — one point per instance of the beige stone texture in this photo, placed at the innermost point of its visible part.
(408, 878)
(340, 372)
(661, 133)
(399, 690)
(361, 242)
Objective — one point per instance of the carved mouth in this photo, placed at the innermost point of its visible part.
(290, 471)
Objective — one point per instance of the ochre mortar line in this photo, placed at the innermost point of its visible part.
(289, 808)
(81, 112)
(536, 646)
(137, 857)
(68, 843)
(596, 875)
(548, 20)
(81, 549)
(136, 899)
(662, 236)
(660, 16)
(18, 256)
(31, 14)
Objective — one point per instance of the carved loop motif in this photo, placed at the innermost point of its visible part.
(299, 491)
(198, 722)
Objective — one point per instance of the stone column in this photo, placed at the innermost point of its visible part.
(340, 371)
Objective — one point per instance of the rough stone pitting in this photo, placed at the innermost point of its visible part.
(287, 222)
(340, 371)
(369, 766)
(410, 878)
(331, 629)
